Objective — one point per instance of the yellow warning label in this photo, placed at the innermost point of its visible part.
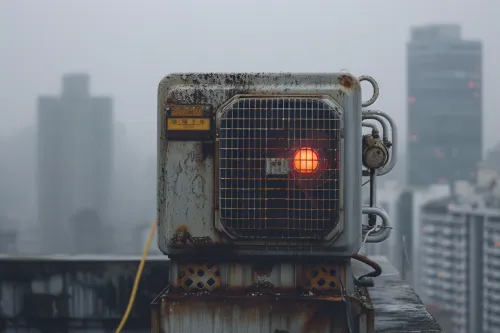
(188, 124)
(187, 110)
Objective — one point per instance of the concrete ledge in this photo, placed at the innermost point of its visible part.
(397, 308)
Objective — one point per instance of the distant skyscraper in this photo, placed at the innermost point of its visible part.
(444, 105)
(74, 167)
(461, 262)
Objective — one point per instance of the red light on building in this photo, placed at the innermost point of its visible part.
(471, 84)
(438, 153)
(412, 100)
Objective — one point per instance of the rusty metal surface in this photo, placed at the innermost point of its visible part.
(321, 277)
(199, 277)
(397, 309)
(276, 277)
(255, 313)
(187, 193)
(252, 316)
(261, 296)
(75, 293)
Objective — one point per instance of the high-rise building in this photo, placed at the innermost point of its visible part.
(74, 167)
(491, 273)
(444, 93)
(445, 263)
(407, 235)
(460, 262)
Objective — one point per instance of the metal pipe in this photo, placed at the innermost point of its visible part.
(373, 197)
(372, 126)
(394, 148)
(385, 129)
(383, 233)
(374, 186)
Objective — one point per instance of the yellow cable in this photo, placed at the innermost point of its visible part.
(137, 279)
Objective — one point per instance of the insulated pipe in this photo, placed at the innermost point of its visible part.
(372, 126)
(385, 130)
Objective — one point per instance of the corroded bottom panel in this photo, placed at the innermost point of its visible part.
(194, 313)
(251, 316)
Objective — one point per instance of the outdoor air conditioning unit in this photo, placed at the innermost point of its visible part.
(264, 164)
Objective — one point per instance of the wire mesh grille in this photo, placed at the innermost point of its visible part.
(279, 168)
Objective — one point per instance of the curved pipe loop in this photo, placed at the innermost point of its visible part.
(385, 231)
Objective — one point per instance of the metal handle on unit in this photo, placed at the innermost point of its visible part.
(394, 137)
(376, 89)
(383, 233)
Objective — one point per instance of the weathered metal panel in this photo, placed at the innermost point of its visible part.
(76, 293)
(396, 307)
(187, 197)
(235, 277)
(261, 296)
(252, 316)
(261, 312)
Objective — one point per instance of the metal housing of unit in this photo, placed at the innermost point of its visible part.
(188, 176)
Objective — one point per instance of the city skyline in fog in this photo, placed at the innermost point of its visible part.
(46, 186)
(127, 48)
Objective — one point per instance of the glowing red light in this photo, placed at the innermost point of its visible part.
(306, 160)
(471, 84)
(412, 100)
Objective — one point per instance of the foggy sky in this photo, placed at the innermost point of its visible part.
(129, 45)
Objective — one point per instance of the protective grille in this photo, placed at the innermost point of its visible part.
(263, 145)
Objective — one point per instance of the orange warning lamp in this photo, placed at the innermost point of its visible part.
(306, 160)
